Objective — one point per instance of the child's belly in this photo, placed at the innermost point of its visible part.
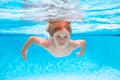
(60, 53)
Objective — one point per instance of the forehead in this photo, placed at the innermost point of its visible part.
(62, 32)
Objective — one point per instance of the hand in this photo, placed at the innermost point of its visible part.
(24, 52)
(79, 54)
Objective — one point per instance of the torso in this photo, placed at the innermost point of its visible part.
(60, 52)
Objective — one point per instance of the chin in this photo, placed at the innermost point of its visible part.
(61, 47)
(61, 44)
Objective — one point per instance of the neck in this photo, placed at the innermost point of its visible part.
(58, 47)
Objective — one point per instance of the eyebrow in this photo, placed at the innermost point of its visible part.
(64, 34)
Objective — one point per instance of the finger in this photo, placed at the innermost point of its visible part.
(26, 52)
(77, 53)
(24, 58)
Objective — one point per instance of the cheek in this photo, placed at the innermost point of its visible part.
(56, 38)
(66, 40)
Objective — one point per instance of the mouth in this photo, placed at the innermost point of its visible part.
(62, 43)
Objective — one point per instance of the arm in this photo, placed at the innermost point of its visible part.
(82, 44)
(31, 40)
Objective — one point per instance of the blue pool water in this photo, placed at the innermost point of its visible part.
(100, 28)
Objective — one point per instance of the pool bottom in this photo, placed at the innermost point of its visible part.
(87, 71)
(102, 74)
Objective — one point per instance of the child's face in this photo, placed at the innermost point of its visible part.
(61, 37)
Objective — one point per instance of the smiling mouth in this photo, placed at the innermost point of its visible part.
(61, 43)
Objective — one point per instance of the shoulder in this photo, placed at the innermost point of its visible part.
(45, 43)
(76, 43)
(40, 41)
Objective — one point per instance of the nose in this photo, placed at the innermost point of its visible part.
(62, 40)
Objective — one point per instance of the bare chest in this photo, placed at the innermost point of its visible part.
(60, 52)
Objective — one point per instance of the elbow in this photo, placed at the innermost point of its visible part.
(84, 43)
(31, 39)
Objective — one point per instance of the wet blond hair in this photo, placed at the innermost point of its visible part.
(55, 26)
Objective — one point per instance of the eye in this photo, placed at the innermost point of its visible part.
(65, 37)
(58, 36)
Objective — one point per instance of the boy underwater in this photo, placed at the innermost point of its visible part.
(60, 44)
